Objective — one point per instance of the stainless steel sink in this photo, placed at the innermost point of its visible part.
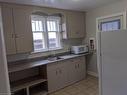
(54, 58)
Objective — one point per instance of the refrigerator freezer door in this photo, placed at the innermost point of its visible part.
(114, 63)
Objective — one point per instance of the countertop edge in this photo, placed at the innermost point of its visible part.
(15, 68)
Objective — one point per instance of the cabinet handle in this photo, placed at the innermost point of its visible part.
(56, 72)
(16, 36)
(13, 35)
(78, 65)
(75, 66)
(60, 71)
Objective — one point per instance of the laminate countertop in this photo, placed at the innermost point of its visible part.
(26, 65)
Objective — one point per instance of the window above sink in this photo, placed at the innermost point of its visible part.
(46, 33)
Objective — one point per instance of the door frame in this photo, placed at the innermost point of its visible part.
(4, 77)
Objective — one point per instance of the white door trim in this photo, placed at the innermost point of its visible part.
(4, 78)
(124, 21)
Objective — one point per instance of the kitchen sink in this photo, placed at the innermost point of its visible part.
(54, 58)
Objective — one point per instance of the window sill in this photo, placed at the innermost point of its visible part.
(44, 51)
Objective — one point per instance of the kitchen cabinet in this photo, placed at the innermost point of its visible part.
(17, 30)
(57, 76)
(75, 24)
(23, 30)
(81, 68)
(52, 74)
(64, 73)
(72, 72)
(76, 69)
(8, 28)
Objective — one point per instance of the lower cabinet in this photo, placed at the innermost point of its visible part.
(76, 69)
(80, 68)
(57, 76)
(72, 72)
(66, 72)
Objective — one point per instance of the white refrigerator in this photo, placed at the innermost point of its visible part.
(112, 62)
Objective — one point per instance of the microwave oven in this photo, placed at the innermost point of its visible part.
(79, 49)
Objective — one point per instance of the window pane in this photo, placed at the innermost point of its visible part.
(52, 25)
(38, 41)
(45, 32)
(33, 25)
(37, 26)
(104, 28)
(53, 43)
(110, 25)
(115, 25)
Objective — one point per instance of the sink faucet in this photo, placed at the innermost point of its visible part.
(52, 54)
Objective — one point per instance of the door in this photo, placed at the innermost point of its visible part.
(8, 28)
(72, 72)
(75, 24)
(57, 76)
(81, 68)
(63, 73)
(114, 63)
(23, 30)
(53, 77)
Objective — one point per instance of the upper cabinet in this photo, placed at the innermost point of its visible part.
(75, 22)
(17, 30)
(23, 30)
(8, 27)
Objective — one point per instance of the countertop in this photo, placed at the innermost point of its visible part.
(27, 65)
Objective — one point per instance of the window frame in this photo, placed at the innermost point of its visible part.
(59, 37)
(46, 37)
(107, 22)
(118, 16)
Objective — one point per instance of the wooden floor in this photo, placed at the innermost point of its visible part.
(89, 86)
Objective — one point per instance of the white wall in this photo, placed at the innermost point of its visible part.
(91, 15)
(66, 48)
(4, 80)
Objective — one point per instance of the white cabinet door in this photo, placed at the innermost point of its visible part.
(75, 24)
(76, 69)
(63, 74)
(72, 72)
(81, 71)
(52, 76)
(57, 76)
(8, 28)
(17, 29)
(23, 30)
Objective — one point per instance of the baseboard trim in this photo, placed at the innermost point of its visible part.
(92, 73)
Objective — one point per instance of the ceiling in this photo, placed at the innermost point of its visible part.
(81, 5)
